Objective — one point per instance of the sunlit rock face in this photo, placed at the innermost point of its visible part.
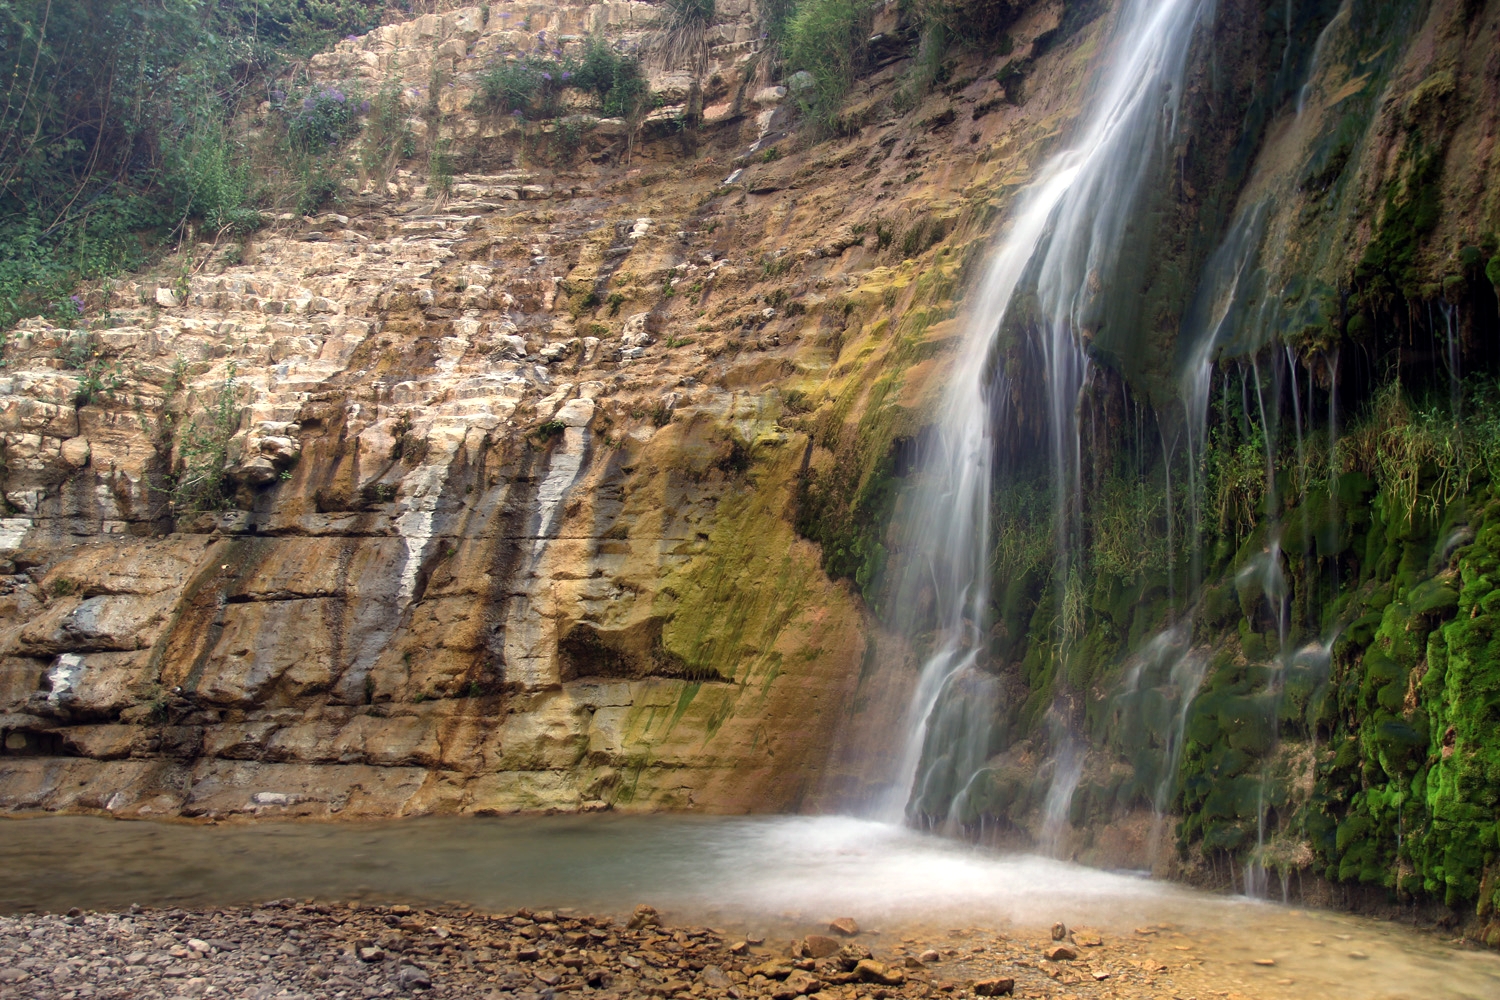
(572, 463)
(467, 501)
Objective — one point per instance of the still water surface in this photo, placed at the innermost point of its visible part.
(773, 875)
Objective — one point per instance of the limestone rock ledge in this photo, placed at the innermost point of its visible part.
(500, 482)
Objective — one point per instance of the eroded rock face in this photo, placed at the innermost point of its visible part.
(485, 500)
(475, 503)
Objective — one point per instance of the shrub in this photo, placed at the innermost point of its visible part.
(531, 84)
(387, 133)
(511, 85)
(322, 118)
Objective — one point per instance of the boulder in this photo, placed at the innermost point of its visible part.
(996, 987)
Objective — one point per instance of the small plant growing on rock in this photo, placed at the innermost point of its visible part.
(199, 483)
(323, 117)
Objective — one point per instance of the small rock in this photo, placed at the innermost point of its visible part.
(75, 912)
(996, 987)
(851, 954)
(820, 946)
(739, 948)
(12, 975)
(528, 955)
(411, 977)
(1265, 961)
(845, 926)
(644, 916)
(929, 956)
(1062, 953)
(1099, 975)
(198, 945)
(1358, 954)
(870, 971)
(167, 299)
(1059, 931)
(1087, 939)
(371, 954)
(713, 977)
(776, 968)
(799, 983)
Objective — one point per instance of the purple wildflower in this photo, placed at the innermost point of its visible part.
(546, 76)
(77, 303)
(517, 114)
(350, 38)
(308, 103)
(566, 75)
(364, 106)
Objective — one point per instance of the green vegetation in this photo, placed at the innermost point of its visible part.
(114, 128)
(827, 39)
(198, 482)
(531, 84)
(684, 43)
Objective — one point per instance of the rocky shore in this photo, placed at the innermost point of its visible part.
(288, 949)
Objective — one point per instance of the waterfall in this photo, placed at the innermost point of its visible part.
(1059, 253)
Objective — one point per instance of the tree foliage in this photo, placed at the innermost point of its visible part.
(113, 126)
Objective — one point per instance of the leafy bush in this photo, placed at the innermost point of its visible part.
(514, 85)
(198, 483)
(322, 119)
(532, 83)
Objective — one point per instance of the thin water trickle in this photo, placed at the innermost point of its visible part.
(1317, 57)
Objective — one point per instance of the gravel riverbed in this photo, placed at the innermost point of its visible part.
(289, 949)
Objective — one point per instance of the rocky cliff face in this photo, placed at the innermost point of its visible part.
(479, 493)
(567, 464)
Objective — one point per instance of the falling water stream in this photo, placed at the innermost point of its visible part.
(1059, 252)
(1062, 246)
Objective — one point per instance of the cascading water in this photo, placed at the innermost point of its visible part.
(1060, 252)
